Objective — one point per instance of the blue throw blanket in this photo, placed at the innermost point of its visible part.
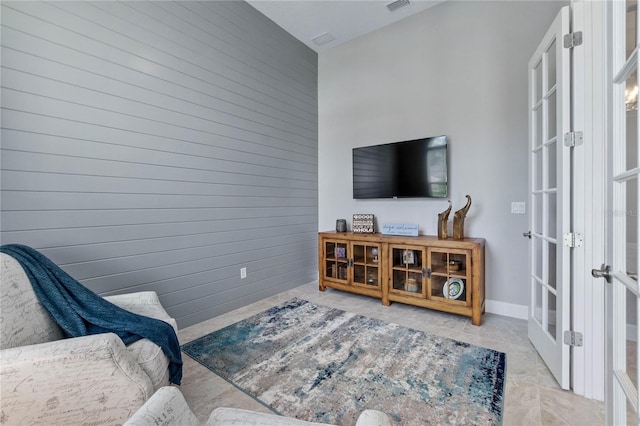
(79, 311)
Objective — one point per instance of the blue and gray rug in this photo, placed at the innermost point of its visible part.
(321, 364)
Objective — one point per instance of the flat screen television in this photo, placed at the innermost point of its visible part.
(409, 169)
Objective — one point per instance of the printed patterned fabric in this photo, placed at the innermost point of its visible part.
(322, 364)
(24, 320)
(167, 407)
(88, 380)
(80, 312)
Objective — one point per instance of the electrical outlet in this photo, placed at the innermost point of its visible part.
(243, 273)
(518, 207)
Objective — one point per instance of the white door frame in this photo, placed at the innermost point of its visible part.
(589, 204)
(550, 194)
(589, 162)
(621, 378)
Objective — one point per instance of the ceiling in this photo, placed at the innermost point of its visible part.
(344, 20)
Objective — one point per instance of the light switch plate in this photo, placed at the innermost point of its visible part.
(518, 207)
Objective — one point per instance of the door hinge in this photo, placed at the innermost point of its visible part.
(573, 338)
(572, 40)
(572, 139)
(573, 239)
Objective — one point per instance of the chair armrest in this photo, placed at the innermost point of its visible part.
(144, 303)
(167, 407)
(82, 380)
(373, 418)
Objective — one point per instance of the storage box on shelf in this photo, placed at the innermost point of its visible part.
(447, 275)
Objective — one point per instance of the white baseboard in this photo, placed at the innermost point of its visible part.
(507, 309)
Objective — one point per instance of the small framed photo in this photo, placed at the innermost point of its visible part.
(341, 252)
(408, 257)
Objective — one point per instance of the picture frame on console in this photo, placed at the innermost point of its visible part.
(408, 258)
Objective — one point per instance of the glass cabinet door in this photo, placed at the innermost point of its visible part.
(366, 268)
(448, 277)
(407, 266)
(336, 260)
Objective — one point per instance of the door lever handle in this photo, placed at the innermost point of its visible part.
(603, 272)
(527, 234)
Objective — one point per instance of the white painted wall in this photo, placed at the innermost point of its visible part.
(458, 69)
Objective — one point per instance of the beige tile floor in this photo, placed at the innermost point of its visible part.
(532, 395)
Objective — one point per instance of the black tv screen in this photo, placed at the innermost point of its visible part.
(409, 169)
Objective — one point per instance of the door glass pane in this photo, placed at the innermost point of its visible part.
(537, 90)
(551, 256)
(372, 276)
(551, 326)
(417, 259)
(437, 286)
(538, 136)
(631, 26)
(358, 274)
(552, 219)
(551, 116)
(551, 65)
(552, 150)
(330, 270)
(439, 263)
(631, 346)
(342, 270)
(631, 217)
(537, 165)
(537, 209)
(398, 257)
(414, 283)
(330, 250)
(537, 257)
(631, 118)
(372, 254)
(537, 305)
(399, 278)
(457, 264)
(358, 253)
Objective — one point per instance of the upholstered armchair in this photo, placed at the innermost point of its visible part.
(167, 407)
(47, 379)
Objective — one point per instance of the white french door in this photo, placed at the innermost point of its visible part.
(623, 294)
(549, 198)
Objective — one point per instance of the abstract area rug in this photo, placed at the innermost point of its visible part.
(321, 364)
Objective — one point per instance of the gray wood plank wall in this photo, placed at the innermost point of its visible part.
(161, 146)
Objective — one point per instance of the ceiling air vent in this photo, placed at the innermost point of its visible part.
(393, 6)
(323, 38)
